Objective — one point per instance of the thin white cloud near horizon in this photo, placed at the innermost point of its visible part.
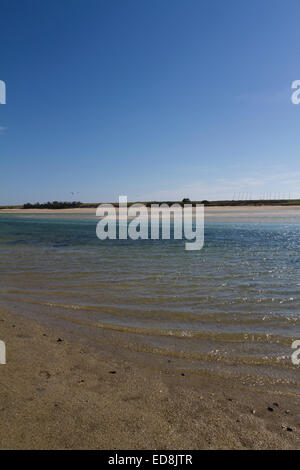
(253, 186)
(266, 182)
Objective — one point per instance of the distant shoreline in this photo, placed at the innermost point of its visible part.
(209, 209)
(90, 207)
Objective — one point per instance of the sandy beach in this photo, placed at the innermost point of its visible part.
(58, 393)
(209, 210)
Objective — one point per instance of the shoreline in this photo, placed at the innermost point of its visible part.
(213, 209)
(58, 393)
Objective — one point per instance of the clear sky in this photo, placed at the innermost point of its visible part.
(153, 99)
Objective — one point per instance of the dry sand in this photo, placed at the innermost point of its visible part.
(66, 395)
(220, 210)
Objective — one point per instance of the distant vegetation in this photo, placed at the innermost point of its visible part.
(76, 204)
(53, 205)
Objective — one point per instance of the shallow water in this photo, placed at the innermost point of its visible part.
(232, 308)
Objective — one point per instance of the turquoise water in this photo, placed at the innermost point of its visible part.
(232, 307)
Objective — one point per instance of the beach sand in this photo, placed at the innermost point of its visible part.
(210, 211)
(56, 392)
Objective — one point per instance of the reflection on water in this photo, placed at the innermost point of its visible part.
(232, 307)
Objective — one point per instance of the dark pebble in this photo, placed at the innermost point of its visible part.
(276, 404)
(182, 374)
(59, 340)
(289, 429)
(270, 408)
(112, 372)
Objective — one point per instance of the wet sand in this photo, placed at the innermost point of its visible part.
(58, 393)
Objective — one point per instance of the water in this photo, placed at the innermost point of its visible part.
(231, 308)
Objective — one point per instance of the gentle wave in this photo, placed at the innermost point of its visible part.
(236, 302)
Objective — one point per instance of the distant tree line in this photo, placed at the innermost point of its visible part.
(52, 205)
(76, 204)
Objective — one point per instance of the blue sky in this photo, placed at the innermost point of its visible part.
(155, 99)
